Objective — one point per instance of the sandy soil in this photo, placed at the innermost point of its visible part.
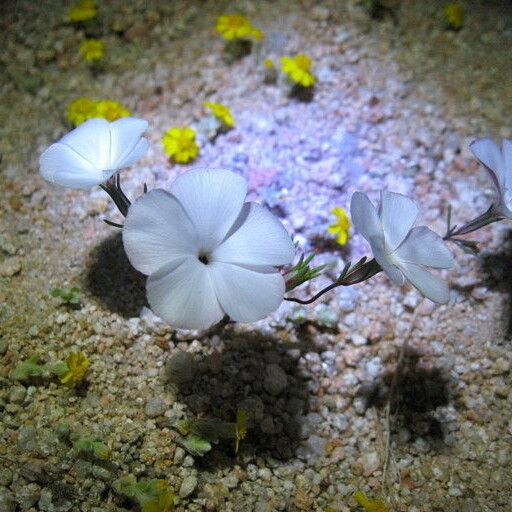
(396, 103)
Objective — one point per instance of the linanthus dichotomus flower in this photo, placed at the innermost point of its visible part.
(404, 252)
(498, 163)
(207, 252)
(94, 151)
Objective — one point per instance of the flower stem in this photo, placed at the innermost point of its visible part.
(351, 274)
(113, 188)
(488, 217)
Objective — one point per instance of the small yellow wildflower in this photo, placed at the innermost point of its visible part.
(341, 226)
(83, 10)
(77, 364)
(180, 144)
(370, 505)
(298, 69)
(454, 16)
(268, 63)
(80, 110)
(111, 110)
(92, 49)
(221, 113)
(240, 427)
(237, 26)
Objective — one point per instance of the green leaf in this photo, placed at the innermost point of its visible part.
(196, 445)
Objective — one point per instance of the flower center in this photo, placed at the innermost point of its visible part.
(204, 258)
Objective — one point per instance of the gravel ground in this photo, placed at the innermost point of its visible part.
(396, 103)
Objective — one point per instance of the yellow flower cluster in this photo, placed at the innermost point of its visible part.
(77, 364)
(180, 144)
(237, 26)
(83, 10)
(221, 113)
(111, 110)
(454, 16)
(298, 69)
(341, 227)
(92, 50)
(84, 108)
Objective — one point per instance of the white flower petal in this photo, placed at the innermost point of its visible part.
(91, 140)
(398, 214)
(126, 142)
(182, 294)
(364, 216)
(507, 162)
(157, 231)
(247, 295)
(432, 287)
(386, 261)
(258, 239)
(213, 199)
(489, 154)
(424, 247)
(63, 165)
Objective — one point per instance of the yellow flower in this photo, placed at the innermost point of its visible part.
(80, 110)
(237, 26)
(268, 63)
(111, 110)
(180, 144)
(83, 10)
(77, 364)
(240, 427)
(221, 113)
(370, 505)
(454, 16)
(298, 69)
(92, 49)
(341, 226)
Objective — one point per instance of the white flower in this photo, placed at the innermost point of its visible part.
(498, 162)
(94, 151)
(402, 251)
(207, 253)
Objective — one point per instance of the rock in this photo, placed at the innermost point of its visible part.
(155, 407)
(10, 267)
(267, 425)
(5, 477)
(188, 486)
(231, 481)
(326, 316)
(33, 471)
(180, 368)
(370, 462)
(320, 13)
(501, 366)
(17, 394)
(357, 339)
(7, 501)
(275, 379)
(28, 495)
(4, 346)
(27, 439)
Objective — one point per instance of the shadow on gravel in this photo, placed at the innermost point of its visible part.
(253, 373)
(419, 392)
(496, 267)
(113, 281)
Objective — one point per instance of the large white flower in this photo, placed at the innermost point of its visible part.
(94, 151)
(207, 252)
(498, 162)
(402, 251)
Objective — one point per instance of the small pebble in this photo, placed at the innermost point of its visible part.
(188, 486)
(155, 407)
(275, 379)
